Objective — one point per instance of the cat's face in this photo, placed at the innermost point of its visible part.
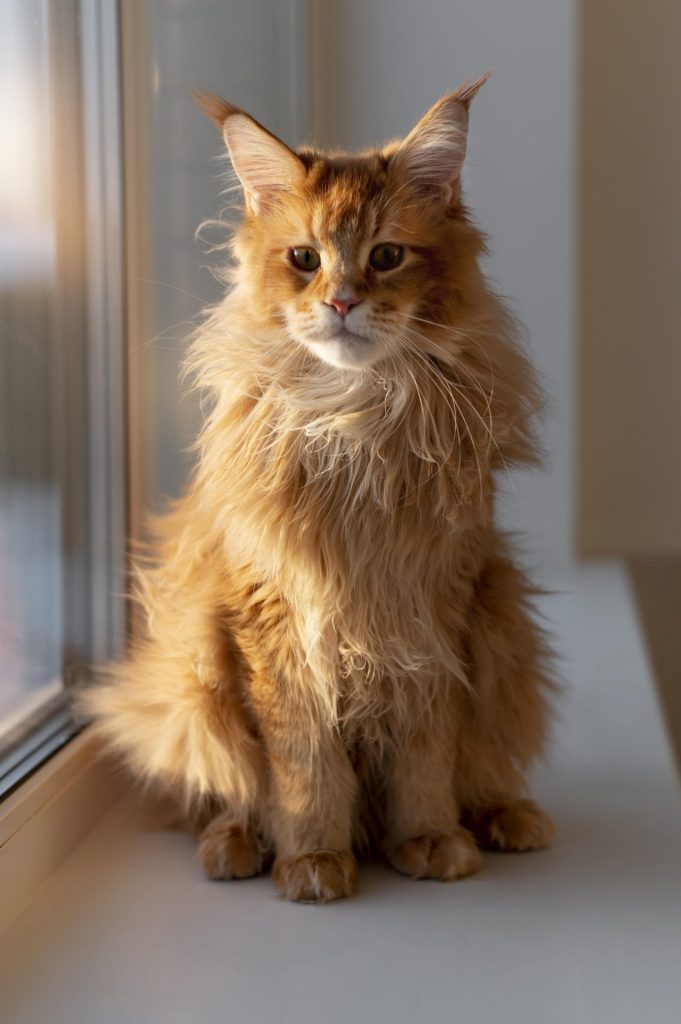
(343, 251)
(347, 259)
(349, 276)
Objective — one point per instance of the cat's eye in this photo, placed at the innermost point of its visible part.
(386, 256)
(305, 258)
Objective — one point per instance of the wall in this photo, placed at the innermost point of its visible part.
(630, 301)
(376, 67)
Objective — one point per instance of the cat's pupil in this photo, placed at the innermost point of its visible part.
(304, 258)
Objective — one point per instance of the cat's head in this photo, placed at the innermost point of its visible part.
(353, 256)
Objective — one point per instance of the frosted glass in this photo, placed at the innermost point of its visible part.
(30, 504)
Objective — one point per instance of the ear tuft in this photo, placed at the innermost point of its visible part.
(214, 107)
(433, 153)
(264, 165)
(467, 92)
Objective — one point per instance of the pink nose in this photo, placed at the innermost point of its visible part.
(343, 306)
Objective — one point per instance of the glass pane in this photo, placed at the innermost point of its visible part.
(51, 365)
(31, 613)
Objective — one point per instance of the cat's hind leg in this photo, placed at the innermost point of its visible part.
(512, 825)
(229, 849)
(506, 714)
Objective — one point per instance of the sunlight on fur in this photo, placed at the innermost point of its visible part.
(340, 653)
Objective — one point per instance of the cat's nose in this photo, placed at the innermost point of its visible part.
(342, 306)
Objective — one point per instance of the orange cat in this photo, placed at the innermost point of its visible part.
(340, 651)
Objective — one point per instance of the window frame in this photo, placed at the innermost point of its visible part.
(90, 349)
(62, 785)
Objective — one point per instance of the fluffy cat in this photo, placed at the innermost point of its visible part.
(340, 651)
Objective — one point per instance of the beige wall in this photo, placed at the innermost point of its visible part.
(629, 255)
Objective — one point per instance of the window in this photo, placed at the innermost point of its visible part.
(62, 494)
(92, 430)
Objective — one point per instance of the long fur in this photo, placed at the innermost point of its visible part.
(332, 587)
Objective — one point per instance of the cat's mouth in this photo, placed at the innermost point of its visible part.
(344, 348)
(343, 334)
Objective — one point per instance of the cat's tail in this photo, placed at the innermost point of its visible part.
(174, 730)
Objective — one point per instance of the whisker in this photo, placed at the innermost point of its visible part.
(450, 400)
(460, 389)
(173, 287)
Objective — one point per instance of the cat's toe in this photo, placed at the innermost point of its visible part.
(520, 825)
(443, 855)
(227, 850)
(316, 877)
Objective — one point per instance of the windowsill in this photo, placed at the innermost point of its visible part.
(127, 928)
(42, 821)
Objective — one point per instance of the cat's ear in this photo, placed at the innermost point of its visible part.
(264, 165)
(433, 153)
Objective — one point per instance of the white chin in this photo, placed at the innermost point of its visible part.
(346, 353)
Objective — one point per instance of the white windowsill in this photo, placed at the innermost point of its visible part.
(589, 931)
(47, 816)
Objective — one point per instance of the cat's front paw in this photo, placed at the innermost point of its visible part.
(226, 850)
(443, 855)
(316, 877)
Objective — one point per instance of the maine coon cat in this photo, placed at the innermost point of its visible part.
(340, 652)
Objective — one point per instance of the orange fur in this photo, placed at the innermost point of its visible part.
(339, 648)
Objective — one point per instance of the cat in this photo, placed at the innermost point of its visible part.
(340, 653)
